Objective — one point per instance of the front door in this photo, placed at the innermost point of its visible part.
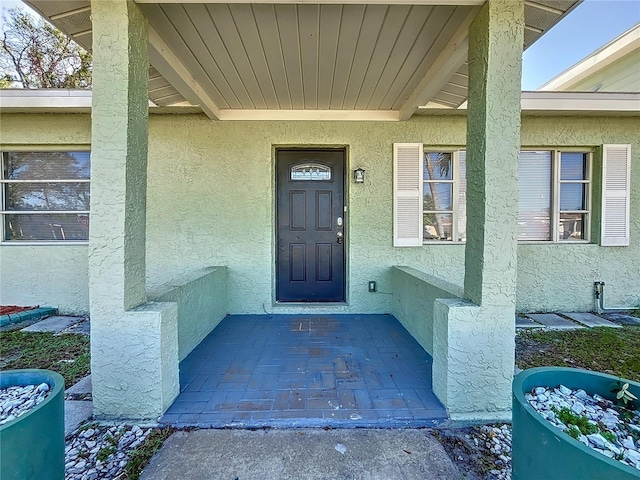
(310, 265)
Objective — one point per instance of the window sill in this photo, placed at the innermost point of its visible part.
(549, 242)
(441, 242)
(43, 243)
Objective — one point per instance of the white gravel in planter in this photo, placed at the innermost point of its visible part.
(600, 413)
(18, 400)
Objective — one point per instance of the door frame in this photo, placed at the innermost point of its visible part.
(274, 224)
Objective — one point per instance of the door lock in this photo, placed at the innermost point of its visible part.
(339, 221)
(340, 237)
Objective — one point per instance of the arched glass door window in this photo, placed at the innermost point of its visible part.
(310, 171)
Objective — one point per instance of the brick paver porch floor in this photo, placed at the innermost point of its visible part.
(306, 370)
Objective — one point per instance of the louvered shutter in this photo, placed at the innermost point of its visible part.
(407, 194)
(616, 169)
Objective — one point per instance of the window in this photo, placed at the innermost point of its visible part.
(444, 196)
(310, 171)
(45, 196)
(554, 195)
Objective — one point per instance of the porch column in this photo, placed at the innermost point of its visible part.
(133, 344)
(474, 374)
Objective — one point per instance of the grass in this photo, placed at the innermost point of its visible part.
(615, 351)
(66, 354)
(140, 457)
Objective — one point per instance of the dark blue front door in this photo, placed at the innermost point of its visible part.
(310, 231)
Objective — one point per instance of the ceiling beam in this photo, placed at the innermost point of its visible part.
(176, 73)
(443, 67)
(544, 8)
(70, 13)
(342, 2)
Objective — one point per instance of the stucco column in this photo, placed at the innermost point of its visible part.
(134, 360)
(493, 142)
(118, 155)
(474, 339)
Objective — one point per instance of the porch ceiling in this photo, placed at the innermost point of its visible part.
(375, 60)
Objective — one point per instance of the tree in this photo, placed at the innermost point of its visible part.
(35, 54)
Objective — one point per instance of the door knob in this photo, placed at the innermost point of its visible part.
(340, 236)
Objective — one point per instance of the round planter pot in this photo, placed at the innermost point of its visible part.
(540, 450)
(32, 445)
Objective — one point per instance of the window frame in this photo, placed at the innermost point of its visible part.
(44, 148)
(455, 182)
(556, 165)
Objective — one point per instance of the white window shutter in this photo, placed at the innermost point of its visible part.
(616, 173)
(407, 194)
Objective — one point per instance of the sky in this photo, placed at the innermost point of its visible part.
(590, 26)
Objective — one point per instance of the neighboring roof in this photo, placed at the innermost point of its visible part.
(329, 60)
(619, 47)
(533, 103)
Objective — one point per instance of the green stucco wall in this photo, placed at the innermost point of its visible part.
(48, 275)
(202, 304)
(210, 202)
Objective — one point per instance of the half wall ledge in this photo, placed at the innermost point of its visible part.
(201, 296)
(472, 346)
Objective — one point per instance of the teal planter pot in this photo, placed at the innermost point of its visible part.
(32, 445)
(540, 450)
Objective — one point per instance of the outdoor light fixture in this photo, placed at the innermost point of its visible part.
(358, 175)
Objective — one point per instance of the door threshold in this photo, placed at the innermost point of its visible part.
(309, 304)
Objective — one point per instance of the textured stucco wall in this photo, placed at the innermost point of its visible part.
(473, 344)
(414, 295)
(136, 357)
(134, 344)
(560, 277)
(202, 304)
(210, 202)
(52, 275)
(473, 383)
(197, 217)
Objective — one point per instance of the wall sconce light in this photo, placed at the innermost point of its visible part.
(358, 175)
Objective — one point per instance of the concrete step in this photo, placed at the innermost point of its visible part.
(554, 321)
(589, 319)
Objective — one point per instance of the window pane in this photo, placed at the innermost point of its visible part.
(534, 199)
(49, 226)
(572, 196)
(462, 196)
(572, 226)
(46, 165)
(47, 196)
(573, 165)
(438, 196)
(437, 226)
(438, 166)
(310, 171)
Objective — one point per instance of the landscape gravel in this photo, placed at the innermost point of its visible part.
(497, 442)
(16, 401)
(616, 431)
(101, 452)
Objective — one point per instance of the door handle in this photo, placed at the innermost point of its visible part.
(340, 237)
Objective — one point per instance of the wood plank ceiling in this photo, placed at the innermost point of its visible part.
(250, 58)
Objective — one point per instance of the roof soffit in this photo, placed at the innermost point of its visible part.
(326, 56)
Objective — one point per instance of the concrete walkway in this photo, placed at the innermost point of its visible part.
(296, 454)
